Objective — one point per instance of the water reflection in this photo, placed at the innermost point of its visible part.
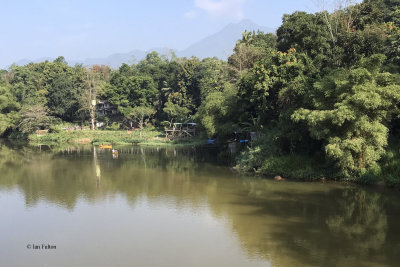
(287, 224)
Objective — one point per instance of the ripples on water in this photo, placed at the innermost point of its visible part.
(179, 207)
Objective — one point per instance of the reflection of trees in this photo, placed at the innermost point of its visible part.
(74, 172)
(296, 224)
(360, 218)
(45, 176)
(10, 162)
(289, 224)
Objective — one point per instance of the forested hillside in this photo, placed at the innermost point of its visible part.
(323, 93)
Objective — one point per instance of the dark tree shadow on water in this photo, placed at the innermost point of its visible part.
(337, 227)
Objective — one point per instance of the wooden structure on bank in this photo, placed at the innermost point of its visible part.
(181, 130)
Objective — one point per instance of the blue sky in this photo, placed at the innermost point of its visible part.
(79, 29)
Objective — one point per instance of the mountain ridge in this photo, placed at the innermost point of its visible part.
(219, 44)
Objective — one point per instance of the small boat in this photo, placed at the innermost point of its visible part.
(210, 142)
(105, 146)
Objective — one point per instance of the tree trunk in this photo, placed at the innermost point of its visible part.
(141, 123)
(92, 116)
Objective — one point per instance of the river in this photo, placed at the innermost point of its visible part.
(80, 206)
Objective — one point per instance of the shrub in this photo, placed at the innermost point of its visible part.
(293, 166)
(114, 126)
(54, 129)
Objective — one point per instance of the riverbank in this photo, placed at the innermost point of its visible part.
(145, 137)
(315, 168)
(252, 160)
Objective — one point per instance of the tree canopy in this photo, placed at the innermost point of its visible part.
(325, 84)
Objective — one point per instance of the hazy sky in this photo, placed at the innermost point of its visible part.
(79, 29)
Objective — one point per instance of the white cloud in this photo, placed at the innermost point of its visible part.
(225, 8)
(191, 14)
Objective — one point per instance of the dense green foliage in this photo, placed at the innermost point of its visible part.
(322, 95)
(8, 107)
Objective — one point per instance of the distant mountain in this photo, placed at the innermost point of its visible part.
(26, 61)
(221, 44)
(116, 60)
(218, 45)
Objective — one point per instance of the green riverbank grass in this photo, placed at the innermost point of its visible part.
(148, 137)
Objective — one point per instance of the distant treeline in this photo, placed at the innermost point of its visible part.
(323, 93)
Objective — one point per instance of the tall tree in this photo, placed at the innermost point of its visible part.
(9, 108)
(128, 91)
(351, 111)
(33, 118)
(306, 33)
(249, 50)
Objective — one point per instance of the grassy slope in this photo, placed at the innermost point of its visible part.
(97, 137)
